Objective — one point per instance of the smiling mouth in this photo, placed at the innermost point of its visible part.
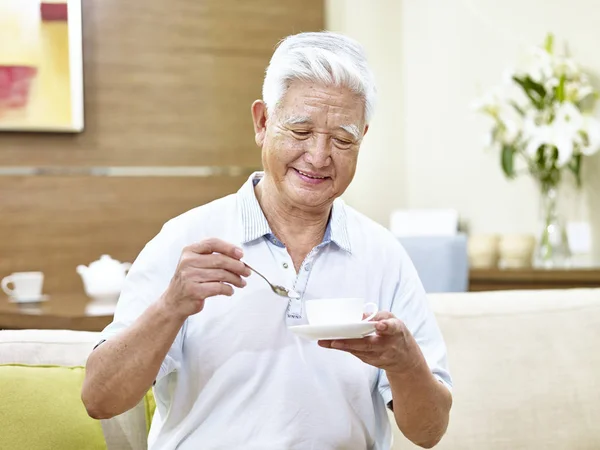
(314, 177)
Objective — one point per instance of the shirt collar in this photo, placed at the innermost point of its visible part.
(255, 223)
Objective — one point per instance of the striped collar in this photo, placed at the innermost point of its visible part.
(255, 223)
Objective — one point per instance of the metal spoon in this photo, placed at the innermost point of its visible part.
(279, 290)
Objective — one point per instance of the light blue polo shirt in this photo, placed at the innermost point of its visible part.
(236, 377)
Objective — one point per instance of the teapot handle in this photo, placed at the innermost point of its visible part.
(126, 266)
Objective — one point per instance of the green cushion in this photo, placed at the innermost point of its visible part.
(41, 409)
(150, 405)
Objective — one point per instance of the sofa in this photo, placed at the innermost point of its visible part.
(526, 368)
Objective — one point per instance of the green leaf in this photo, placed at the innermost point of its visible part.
(535, 86)
(549, 43)
(560, 89)
(535, 91)
(507, 160)
(517, 108)
(540, 158)
(575, 167)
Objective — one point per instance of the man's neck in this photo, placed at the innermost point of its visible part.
(293, 226)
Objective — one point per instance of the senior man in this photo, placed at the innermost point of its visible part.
(227, 372)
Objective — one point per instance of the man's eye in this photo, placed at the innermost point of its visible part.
(301, 133)
(343, 143)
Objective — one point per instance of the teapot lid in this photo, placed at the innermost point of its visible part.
(104, 262)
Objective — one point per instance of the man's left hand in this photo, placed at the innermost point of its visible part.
(393, 348)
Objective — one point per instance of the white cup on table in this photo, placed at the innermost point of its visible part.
(24, 287)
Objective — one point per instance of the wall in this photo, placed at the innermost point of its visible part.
(451, 51)
(168, 89)
(379, 185)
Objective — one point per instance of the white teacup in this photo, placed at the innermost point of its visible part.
(27, 286)
(335, 311)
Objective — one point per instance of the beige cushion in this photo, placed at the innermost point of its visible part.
(54, 347)
(526, 368)
(71, 348)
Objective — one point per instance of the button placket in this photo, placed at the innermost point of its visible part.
(285, 263)
(295, 310)
(295, 315)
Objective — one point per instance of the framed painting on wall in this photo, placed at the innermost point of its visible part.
(41, 66)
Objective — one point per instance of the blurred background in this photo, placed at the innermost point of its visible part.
(158, 121)
(482, 159)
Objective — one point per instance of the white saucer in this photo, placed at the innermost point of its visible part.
(38, 299)
(338, 331)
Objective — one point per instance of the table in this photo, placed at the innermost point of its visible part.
(73, 311)
(64, 311)
(505, 279)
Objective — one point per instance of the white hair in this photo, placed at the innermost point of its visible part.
(324, 57)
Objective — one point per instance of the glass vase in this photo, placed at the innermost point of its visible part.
(552, 249)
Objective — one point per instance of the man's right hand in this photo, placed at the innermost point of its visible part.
(206, 269)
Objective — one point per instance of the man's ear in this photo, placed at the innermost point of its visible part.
(366, 129)
(259, 118)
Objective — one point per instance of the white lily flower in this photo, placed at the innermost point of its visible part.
(530, 123)
(562, 137)
(548, 134)
(538, 136)
(542, 65)
(583, 92)
(551, 83)
(566, 131)
(511, 131)
(569, 116)
(591, 128)
(553, 136)
(574, 91)
(562, 133)
(567, 66)
(512, 121)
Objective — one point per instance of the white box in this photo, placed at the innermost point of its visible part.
(424, 222)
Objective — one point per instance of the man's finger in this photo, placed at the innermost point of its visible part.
(218, 275)
(214, 245)
(367, 357)
(206, 290)
(388, 327)
(219, 261)
(366, 344)
(381, 315)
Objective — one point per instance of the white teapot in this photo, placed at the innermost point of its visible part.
(103, 279)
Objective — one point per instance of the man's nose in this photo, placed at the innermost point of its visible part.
(319, 153)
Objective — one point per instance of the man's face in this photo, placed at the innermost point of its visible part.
(310, 142)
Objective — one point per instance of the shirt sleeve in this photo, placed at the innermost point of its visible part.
(148, 278)
(410, 304)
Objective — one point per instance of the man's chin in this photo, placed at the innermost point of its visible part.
(305, 200)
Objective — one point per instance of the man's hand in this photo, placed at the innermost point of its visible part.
(205, 269)
(421, 403)
(392, 349)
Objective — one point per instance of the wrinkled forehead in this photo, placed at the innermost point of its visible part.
(322, 106)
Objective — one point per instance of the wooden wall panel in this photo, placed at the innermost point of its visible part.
(169, 82)
(53, 224)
